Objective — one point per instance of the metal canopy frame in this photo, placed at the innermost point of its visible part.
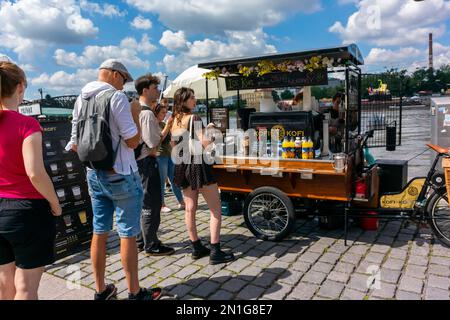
(350, 59)
(348, 54)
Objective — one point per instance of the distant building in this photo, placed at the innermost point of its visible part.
(253, 99)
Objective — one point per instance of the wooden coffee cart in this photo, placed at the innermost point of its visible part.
(274, 190)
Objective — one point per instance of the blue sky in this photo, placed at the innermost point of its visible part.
(60, 43)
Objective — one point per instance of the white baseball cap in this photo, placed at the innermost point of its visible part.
(116, 65)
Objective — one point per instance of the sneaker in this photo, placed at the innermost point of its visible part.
(160, 250)
(181, 207)
(108, 294)
(146, 294)
(165, 209)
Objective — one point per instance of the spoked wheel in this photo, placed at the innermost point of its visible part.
(439, 214)
(269, 214)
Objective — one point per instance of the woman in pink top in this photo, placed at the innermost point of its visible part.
(28, 202)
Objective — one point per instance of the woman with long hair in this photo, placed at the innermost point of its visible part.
(196, 177)
(28, 202)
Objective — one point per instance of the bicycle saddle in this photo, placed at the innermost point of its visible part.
(438, 149)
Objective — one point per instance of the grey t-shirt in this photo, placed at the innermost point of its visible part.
(151, 132)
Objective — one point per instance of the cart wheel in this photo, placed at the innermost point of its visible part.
(269, 214)
(439, 216)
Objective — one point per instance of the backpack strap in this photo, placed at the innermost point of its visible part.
(110, 93)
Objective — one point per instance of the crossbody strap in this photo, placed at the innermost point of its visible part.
(191, 129)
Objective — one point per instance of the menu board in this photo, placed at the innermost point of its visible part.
(221, 118)
(74, 226)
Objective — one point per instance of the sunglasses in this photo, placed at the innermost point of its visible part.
(123, 77)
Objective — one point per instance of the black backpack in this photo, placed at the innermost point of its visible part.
(94, 143)
(138, 150)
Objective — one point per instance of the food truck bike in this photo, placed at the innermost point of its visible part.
(329, 177)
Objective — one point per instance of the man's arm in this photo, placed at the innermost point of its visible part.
(135, 111)
(72, 145)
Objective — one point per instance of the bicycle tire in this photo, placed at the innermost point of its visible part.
(283, 200)
(438, 210)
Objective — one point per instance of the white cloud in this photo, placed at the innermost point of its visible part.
(127, 52)
(143, 46)
(441, 55)
(214, 17)
(239, 44)
(65, 83)
(141, 23)
(380, 55)
(174, 40)
(27, 67)
(30, 26)
(107, 9)
(408, 58)
(394, 22)
(26, 49)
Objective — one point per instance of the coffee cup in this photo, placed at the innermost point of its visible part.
(69, 166)
(76, 190)
(54, 168)
(61, 194)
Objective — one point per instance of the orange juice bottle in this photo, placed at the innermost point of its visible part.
(305, 150)
(310, 149)
(285, 146)
(291, 148)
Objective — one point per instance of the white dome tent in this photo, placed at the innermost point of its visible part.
(193, 78)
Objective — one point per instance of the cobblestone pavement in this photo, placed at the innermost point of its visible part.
(398, 261)
(311, 264)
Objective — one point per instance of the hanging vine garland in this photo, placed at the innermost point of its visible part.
(267, 66)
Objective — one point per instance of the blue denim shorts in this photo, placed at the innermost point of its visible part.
(116, 193)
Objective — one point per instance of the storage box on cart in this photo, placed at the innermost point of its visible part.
(446, 167)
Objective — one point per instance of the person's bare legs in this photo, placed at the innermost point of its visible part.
(212, 198)
(98, 258)
(191, 202)
(129, 257)
(26, 282)
(7, 287)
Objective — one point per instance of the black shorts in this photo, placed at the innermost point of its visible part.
(27, 233)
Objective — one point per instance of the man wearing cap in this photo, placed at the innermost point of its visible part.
(118, 190)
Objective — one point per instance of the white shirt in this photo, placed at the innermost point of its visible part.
(121, 124)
